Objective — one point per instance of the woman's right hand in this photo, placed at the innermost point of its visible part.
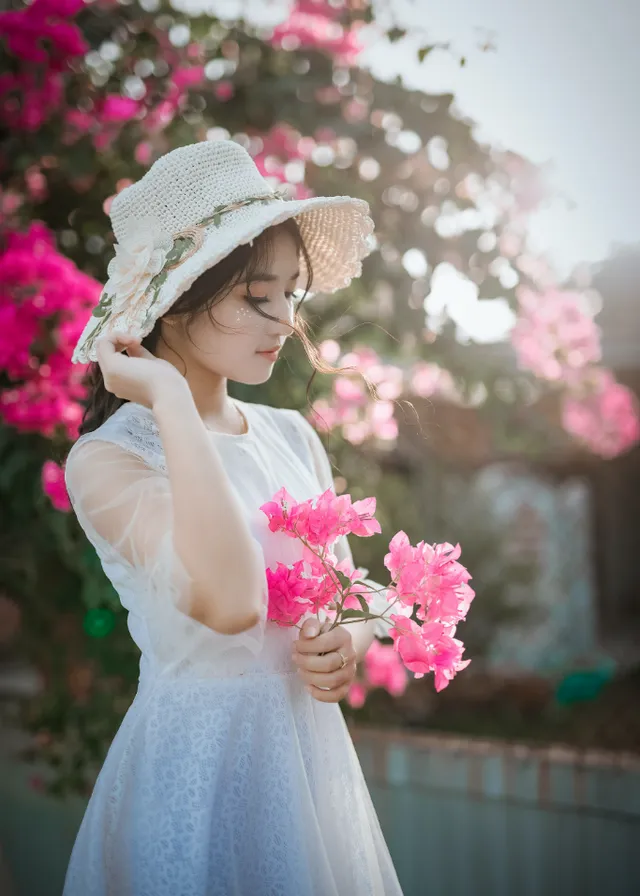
(138, 375)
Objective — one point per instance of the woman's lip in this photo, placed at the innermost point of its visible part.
(271, 355)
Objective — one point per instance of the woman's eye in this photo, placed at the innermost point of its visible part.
(260, 300)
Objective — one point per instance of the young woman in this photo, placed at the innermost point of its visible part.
(233, 772)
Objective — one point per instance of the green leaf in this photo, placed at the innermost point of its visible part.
(396, 34)
(157, 283)
(99, 311)
(423, 52)
(217, 219)
(344, 580)
(363, 602)
(353, 614)
(175, 254)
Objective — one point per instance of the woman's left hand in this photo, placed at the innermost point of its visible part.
(325, 671)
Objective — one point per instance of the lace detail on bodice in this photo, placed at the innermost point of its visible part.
(132, 427)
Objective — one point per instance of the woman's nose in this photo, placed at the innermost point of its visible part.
(285, 319)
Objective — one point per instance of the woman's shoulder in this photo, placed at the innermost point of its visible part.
(132, 428)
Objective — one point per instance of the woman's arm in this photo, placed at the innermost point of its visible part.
(211, 534)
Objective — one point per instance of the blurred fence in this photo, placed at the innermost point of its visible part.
(462, 817)
(478, 818)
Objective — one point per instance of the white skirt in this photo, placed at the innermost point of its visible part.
(239, 786)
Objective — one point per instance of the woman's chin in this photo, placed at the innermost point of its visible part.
(255, 380)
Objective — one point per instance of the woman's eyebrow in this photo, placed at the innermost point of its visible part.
(264, 277)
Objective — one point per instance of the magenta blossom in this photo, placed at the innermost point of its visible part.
(428, 648)
(288, 593)
(603, 415)
(44, 300)
(53, 485)
(383, 668)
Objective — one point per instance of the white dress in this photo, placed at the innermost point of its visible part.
(226, 777)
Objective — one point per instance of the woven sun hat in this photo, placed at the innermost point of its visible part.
(191, 209)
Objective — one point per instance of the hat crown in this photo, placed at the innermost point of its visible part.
(186, 185)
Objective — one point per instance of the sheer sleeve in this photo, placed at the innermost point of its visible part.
(124, 506)
(342, 549)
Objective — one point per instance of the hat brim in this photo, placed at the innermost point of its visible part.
(336, 231)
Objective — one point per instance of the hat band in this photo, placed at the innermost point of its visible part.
(195, 234)
(185, 244)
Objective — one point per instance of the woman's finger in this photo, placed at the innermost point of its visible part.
(105, 346)
(331, 680)
(330, 662)
(136, 350)
(324, 642)
(333, 696)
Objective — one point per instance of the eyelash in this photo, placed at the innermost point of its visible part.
(260, 300)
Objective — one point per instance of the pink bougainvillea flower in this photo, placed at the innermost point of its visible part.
(289, 593)
(357, 694)
(44, 300)
(384, 668)
(315, 30)
(116, 108)
(53, 485)
(407, 640)
(428, 648)
(554, 336)
(281, 512)
(185, 77)
(602, 414)
(224, 91)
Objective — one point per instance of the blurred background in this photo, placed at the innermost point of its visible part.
(498, 317)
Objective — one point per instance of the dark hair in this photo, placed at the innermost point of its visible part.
(206, 292)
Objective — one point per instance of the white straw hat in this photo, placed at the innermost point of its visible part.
(191, 209)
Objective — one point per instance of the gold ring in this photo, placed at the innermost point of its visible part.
(341, 655)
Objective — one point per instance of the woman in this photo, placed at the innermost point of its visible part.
(233, 772)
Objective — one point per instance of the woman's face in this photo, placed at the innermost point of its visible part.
(231, 346)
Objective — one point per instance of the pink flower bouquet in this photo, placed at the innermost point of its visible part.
(426, 581)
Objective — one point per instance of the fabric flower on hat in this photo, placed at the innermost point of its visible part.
(135, 264)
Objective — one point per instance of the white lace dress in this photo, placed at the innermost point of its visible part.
(226, 777)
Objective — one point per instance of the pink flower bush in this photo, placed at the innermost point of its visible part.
(115, 109)
(44, 300)
(350, 407)
(40, 35)
(26, 101)
(42, 39)
(426, 579)
(313, 26)
(603, 415)
(554, 337)
(54, 487)
(187, 76)
(281, 147)
(559, 342)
